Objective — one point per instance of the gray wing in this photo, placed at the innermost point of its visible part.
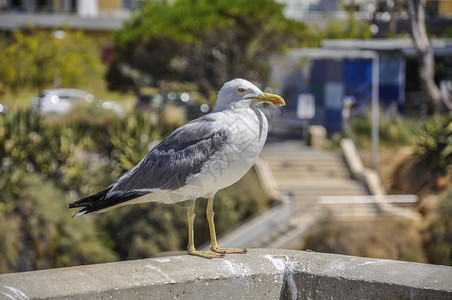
(181, 154)
(165, 167)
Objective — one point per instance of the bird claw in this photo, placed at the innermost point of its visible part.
(229, 250)
(205, 254)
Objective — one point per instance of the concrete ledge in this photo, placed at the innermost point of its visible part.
(260, 274)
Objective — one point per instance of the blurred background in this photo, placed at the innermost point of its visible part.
(88, 87)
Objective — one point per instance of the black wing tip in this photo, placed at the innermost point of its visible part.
(99, 202)
(72, 205)
(87, 201)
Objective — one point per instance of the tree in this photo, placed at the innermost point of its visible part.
(39, 59)
(438, 103)
(350, 29)
(204, 42)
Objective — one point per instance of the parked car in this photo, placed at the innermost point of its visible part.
(59, 101)
(62, 101)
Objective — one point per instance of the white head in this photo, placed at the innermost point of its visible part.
(242, 93)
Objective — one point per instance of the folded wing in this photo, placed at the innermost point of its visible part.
(166, 167)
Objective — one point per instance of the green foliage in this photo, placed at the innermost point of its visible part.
(206, 42)
(140, 231)
(434, 145)
(438, 236)
(393, 131)
(35, 59)
(381, 239)
(36, 228)
(9, 241)
(21, 136)
(130, 139)
(351, 29)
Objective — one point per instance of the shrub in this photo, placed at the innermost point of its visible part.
(36, 232)
(438, 236)
(434, 145)
(393, 131)
(393, 239)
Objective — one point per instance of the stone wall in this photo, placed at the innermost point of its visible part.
(260, 274)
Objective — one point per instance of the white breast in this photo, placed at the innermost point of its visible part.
(247, 131)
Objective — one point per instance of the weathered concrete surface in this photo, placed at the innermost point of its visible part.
(260, 274)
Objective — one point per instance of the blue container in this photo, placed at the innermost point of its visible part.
(333, 119)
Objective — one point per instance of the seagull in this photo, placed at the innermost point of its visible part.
(196, 160)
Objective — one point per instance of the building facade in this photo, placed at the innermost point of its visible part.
(91, 16)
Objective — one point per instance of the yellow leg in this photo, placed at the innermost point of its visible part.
(213, 236)
(191, 237)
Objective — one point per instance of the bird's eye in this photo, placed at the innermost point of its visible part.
(241, 90)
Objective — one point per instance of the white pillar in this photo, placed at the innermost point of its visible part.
(87, 8)
(66, 6)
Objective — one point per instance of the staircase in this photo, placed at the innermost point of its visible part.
(306, 175)
(312, 186)
(309, 174)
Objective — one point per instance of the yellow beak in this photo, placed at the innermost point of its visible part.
(271, 98)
